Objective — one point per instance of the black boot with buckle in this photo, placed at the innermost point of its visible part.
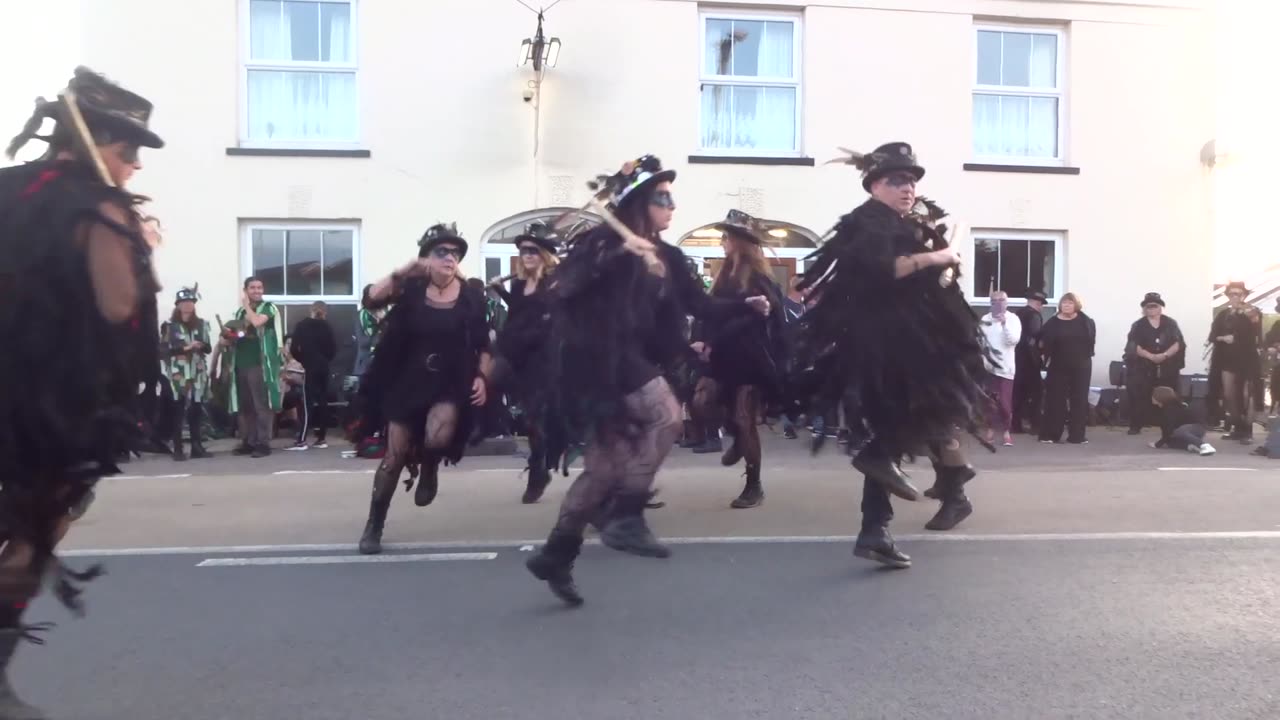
(384, 487)
(753, 493)
(950, 490)
(875, 543)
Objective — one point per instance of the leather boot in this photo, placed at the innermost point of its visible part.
(197, 445)
(428, 481)
(887, 473)
(383, 489)
(875, 543)
(11, 706)
(539, 479)
(553, 564)
(955, 504)
(935, 492)
(627, 531)
(753, 493)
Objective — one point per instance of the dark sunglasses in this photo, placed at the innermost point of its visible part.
(663, 199)
(442, 252)
(898, 180)
(530, 250)
(129, 154)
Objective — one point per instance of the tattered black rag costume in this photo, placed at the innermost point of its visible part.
(909, 349)
(70, 378)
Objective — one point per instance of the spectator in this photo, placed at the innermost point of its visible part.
(1272, 344)
(793, 308)
(368, 328)
(314, 346)
(1153, 356)
(1067, 342)
(1003, 331)
(1235, 340)
(1180, 429)
(253, 337)
(1028, 385)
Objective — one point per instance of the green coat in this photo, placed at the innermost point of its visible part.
(186, 370)
(272, 358)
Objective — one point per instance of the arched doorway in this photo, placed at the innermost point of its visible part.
(498, 242)
(786, 246)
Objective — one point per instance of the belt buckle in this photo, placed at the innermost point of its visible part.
(431, 362)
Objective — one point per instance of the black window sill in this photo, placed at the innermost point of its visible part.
(1031, 169)
(296, 152)
(748, 160)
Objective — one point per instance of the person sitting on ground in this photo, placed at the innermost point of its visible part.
(1180, 428)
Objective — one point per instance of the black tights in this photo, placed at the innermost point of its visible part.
(442, 421)
(744, 412)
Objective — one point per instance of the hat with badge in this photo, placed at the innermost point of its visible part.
(633, 175)
(541, 234)
(888, 158)
(1152, 298)
(439, 234)
(186, 294)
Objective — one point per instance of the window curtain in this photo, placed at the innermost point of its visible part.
(1015, 126)
(754, 117)
(299, 105)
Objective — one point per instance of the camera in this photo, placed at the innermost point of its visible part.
(527, 95)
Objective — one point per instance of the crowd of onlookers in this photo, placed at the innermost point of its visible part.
(1039, 373)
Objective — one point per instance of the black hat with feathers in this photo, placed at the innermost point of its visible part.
(633, 175)
(438, 234)
(541, 234)
(888, 158)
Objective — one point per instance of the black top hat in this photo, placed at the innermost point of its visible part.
(1236, 285)
(633, 175)
(1037, 295)
(541, 234)
(107, 106)
(742, 225)
(191, 293)
(885, 159)
(441, 233)
(1152, 298)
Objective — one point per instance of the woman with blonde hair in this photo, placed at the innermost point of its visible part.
(745, 355)
(521, 338)
(1067, 343)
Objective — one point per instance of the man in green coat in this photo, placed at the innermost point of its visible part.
(252, 341)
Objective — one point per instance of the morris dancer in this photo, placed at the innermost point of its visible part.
(79, 318)
(899, 335)
(617, 322)
(428, 374)
(185, 345)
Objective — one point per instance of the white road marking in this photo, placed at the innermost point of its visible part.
(1207, 469)
(148, 477)
(344, 559)
(745, 540)
(324, 472)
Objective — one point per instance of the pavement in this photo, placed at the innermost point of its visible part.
(1099, 581)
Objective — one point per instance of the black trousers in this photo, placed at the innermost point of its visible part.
(1139, 383)
(314, 414)
(1028, 391)
(877, 509)
(1066, 402)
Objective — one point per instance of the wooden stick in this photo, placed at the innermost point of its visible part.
(68, 98)
(643, 248)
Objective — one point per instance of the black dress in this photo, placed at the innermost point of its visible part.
(748, 349)
(427, 355)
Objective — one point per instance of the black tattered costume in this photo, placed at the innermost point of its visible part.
(904, 351)
(79, 339)
(419, 384)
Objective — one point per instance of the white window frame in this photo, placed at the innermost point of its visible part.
(1059, 92)
(247, 64)
(796, 81)
(981, 296)
(246, 257)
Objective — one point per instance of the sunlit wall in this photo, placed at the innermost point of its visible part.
(1245, 178)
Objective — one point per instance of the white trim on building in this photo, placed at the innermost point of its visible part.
(990, 84)
(1025, 247)
(783, 82)
(278, 292)
(340, 40)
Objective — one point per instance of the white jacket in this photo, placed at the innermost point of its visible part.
(1002, 339)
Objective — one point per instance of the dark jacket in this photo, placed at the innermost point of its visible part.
(313, 344)
(1173, 417)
